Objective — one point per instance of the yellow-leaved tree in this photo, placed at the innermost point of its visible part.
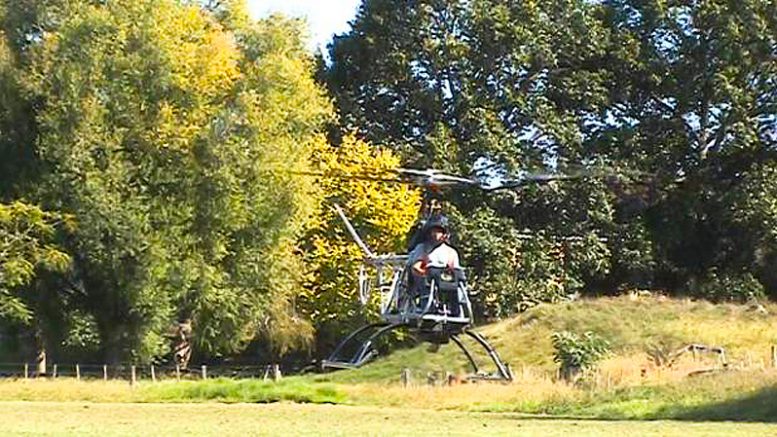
(381, 212)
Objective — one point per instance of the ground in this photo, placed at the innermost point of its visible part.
(115, 419)
(629, 394)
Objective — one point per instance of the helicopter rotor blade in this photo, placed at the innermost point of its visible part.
(436, 177)
(532, 178)
(370, 177)
(423, 178)
(540, 178)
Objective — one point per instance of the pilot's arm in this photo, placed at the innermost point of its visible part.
(419, 268)
(418, 261)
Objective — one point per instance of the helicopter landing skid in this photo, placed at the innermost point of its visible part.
(357, 349)
(503, 371)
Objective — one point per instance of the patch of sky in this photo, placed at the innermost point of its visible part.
(633, 17)
(666, 43)
(682, 17)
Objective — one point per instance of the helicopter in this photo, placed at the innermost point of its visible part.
(435, 308)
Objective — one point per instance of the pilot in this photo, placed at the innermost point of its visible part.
(431, 252)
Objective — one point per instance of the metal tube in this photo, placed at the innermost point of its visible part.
(461, 346)
(353, 232)
(503, 372)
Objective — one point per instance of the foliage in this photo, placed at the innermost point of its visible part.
(382, 213)
(514, 270)
(171, 133)
(744, 288)
(576, 353)
(681, 91)
(26, 236)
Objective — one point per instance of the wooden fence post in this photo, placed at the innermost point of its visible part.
(26, 370)
(153, 374)
(105, 372)
(177, 372)
(133, 375)
(204, 371)
(78, 372)
(405, 377)
(774, 356)
(54, 371)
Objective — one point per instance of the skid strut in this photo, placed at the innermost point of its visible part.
(356, 349)
(340, 359)
(502, 368)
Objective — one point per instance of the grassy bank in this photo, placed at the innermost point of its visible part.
(631, 326)
(728, 396)
(627, 386)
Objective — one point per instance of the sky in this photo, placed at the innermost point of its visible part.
(325, 17)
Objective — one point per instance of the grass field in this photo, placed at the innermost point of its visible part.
(628, 394)
(103, 419)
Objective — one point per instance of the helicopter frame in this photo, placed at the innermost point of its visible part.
(439, 310)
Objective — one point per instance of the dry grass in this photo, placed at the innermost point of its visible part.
(88, 419)
(519, 396)
(66, 389)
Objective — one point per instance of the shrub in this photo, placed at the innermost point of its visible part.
(577, 354)
(725, 287)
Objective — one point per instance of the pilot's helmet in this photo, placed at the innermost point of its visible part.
(438, 221)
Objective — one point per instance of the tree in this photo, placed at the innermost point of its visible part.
(382, 212)
(694, 100)
(172, 138)
(26, 233)
(683, 91)
(482, 88)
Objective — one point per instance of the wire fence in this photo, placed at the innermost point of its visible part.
(135, 372)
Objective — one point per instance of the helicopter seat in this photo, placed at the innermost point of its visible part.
(444, 297)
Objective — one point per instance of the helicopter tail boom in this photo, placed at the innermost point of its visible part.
(362, 245)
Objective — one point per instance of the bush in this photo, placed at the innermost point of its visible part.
(727, 287)
(578, 354)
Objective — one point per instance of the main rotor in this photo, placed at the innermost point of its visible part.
(436, 179)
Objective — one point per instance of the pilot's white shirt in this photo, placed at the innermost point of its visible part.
(442, 255)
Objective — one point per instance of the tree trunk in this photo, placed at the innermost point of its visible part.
(112, 345)
(40, 351)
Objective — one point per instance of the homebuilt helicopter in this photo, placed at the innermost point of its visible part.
(434, 306)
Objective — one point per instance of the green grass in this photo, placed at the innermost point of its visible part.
(631, 327)
(746, 393)
(253, 391)
(731, 396)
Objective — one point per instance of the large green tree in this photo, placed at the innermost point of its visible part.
(170, 133)
(694, 98)
(683, 91)
(484, 88)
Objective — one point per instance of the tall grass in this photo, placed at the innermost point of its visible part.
(245, 390)
(627, 386)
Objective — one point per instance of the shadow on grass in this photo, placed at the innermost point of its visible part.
(759, 406)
